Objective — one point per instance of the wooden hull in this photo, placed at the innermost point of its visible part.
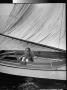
(20, 70)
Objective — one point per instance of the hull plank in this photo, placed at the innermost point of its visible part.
(24, 71)
(41, 67)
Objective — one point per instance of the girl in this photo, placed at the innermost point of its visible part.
(27, 57)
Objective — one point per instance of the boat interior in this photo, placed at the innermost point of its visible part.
(43, 60)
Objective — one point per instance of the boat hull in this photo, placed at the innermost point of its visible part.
(14, 69)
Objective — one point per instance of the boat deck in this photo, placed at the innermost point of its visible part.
(38, 64)
(41, 68)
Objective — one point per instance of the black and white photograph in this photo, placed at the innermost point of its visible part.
(33, 46)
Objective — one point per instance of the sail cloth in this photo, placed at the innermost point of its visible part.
(5, 10)
(39, 23)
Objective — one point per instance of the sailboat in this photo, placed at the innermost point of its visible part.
(41, 27)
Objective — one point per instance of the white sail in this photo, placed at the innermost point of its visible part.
(39, 23)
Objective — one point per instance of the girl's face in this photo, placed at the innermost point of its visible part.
(26, 51)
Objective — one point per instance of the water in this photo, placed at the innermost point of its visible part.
(11, 82)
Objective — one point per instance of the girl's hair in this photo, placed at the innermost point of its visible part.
(28, 49)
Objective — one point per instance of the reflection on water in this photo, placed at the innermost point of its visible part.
(11, 82)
